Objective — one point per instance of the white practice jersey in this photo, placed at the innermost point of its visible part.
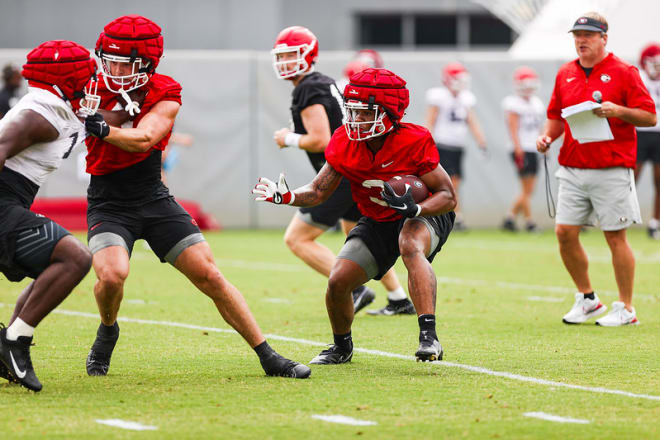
(451, 124)
(532, 115)
(653, 87)
(39, 160)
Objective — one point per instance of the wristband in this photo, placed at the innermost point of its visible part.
(292, 139)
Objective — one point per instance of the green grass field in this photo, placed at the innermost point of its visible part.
(500, 302)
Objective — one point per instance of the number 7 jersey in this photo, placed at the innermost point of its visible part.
(39, 160)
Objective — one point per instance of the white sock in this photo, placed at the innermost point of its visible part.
(19, 328)
(654, 223)
(396, 295)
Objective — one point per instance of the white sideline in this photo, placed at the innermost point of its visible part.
(553, 418)
(125, 424)
(472, 368)
(344, 420)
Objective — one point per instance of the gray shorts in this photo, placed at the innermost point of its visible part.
(606, 197)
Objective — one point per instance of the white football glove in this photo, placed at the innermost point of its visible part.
(278, 194)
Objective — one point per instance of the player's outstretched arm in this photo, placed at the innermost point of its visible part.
(153, 127)
(475, 129)
(28, 128)
(443, 198)
(312, 194)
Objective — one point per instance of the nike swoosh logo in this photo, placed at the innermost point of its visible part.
(19, 373)
(569, 79)
(387, 164)
(402, 207)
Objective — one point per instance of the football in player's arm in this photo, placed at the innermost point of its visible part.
(372, 147)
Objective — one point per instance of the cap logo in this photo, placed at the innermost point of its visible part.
(605, 78)
(113, 46)
(582, 20)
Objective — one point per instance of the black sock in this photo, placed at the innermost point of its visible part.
(345, 342)
(106, 338)
(427, 324)
(589, 295)
(358, 290)
(264, 351)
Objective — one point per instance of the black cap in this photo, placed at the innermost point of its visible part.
(589, 24)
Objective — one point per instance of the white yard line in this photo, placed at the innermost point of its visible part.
(125, 424)
(553, 418)
(474, 369)
(550, 299)
(344, 420)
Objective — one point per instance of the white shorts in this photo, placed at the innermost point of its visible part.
(606, 196)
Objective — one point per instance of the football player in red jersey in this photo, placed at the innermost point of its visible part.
(372, 147)
(316, 112)
(128, 200)
(36, 135)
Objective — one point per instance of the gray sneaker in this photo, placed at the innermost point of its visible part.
(362, 297)
(401, 307)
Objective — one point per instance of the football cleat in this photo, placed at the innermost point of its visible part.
(618, 316)
(509, 225)
(15, 355)
(401, 307)
(362, 297)
(98, 359)
(278, 365)
(429, 348)
(583, 309)
(653, 233)
(531, 227)
(333, 355)
(4, 373)
(98, 363)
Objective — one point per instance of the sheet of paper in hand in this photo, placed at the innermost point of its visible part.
(585, 126)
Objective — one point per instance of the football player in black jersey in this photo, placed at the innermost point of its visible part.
(317, 111)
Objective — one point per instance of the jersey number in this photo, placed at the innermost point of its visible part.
(74, 139)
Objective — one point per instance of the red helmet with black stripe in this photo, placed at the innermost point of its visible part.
(130, 48)
(63, 65)
(374, 90)
(649, 60)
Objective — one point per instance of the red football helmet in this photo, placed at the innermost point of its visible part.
(377, 90)
(525, 81)
(650, 61)
(364, 59)
(455, 77)
(64, 65)
(136, 44)
(298, 40)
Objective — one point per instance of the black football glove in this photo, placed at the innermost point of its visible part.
(405, 204)
(96, 126)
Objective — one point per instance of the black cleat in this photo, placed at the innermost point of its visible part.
(98, 359)
(278, 365)
(333, 355)
(362, 297)
(509, 225)
(653, 233)
(401, 307)
(15, 355)
(4, 373)
(429, 348)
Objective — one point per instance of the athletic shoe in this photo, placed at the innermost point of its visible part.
(4, 373)
(98, 359)
(400, 307)
(654, 233)
(459, 225)
(531, 227)
(15, 355)
(278, 365)
(584, 309)
(429, 348)
(333, 355)
(362, 297)
(618, 316)
(509, 225)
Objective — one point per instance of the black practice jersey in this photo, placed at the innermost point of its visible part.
(317, 88)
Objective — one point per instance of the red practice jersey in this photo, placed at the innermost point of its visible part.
(103, 157)
(618, 82)
(407, 150)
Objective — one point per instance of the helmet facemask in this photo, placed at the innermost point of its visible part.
(459, 82)
(89, 104)
(361, 130)
(527, 87)
(138, 77)
(301, 64)
(652, 67)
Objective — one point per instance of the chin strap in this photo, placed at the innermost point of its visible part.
(132, 108)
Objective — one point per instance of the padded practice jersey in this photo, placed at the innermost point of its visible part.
(407, 150)
(532, 114)
(451, 124)
(316, 88)
(39, 160)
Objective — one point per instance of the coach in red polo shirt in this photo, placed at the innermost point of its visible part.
(596, 180)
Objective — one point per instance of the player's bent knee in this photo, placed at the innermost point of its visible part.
(111, 277)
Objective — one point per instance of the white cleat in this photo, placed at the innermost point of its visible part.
(618, 316)
(584, 309)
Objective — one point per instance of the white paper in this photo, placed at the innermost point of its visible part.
(585, 125)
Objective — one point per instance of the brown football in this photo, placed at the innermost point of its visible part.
(419, 190)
